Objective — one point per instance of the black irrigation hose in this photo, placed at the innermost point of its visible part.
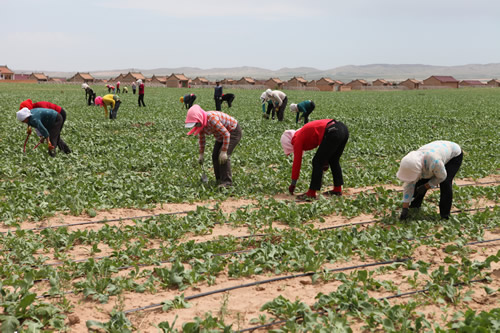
(246, 285)
(321, 312)
(100, 221)
(484, 241)
(263, 235)
(156, 215)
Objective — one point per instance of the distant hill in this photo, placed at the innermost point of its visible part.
(344, 73)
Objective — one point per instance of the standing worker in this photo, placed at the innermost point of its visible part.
(227, 133)
(330, 136)
(110, 100)
(270, 106)
(118, 87)
(435, 163)
(280, 100)
(141, 93)
(218, 96)
(47, 105)
(303, 110)
(133, 87)
(48, 122)
(188, 100)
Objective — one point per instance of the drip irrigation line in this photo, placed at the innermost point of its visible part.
(484, 241)
(101, 221)
(256, 283)
(171, 213)
(322, 312)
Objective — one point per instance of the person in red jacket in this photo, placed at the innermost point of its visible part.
(330, 136)
(47, 105)
(141, 93)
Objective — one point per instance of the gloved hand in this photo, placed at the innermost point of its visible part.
(51, 147)
(421, 189)
(222, 157)
(201, 159)
(28, 131)
(404, 214)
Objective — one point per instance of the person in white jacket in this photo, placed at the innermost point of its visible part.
(434, 164)
(279, 100)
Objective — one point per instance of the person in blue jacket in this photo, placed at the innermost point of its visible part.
(49, 123)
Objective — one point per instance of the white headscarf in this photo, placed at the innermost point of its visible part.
(294, 108)
(286, 141)
(22, 114)
(263, 97)
(269, 92)
(410, 167)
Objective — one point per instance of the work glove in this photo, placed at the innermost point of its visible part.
(201, 159)
(28, 131)
(421, 189)
(404, 214)
(223, 157)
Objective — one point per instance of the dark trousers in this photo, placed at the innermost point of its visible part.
(188, 102)
(55, 130)
(91, 100)
(61, 144)
(117, 90)
(114, 111)
(329, 152)
(218, 103)
(222, 172)
(281, 109)
(270, 107)
(133, 91)
(141, 100)
(446, 187)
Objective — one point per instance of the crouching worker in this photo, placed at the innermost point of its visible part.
(227, 133)
(47, 105)
(303, 110)
(330, 136)
(435, 163)
(188, 100)
(48, 122)
(113, 101)
(228, 98)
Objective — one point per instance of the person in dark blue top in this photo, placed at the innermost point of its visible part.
(48, 122)
(218, 96)
(188, 100)
(303, 110)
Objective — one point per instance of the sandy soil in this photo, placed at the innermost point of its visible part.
(241, 305)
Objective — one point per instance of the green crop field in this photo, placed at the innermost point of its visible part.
(78, 278)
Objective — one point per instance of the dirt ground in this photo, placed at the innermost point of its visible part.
(241, 305)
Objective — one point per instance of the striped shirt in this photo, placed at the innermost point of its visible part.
(220, 125)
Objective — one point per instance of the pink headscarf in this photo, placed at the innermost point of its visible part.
(196, 114)
(286, 141)
(98, 100)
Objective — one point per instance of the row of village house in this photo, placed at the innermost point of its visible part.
(323, 84)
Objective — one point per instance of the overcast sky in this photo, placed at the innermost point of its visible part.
(90, 35)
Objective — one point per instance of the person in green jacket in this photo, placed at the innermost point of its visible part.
(303, 110)
(48, 122)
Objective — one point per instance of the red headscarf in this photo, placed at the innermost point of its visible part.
(26, 104)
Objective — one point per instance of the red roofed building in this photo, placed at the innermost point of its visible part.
(381, 83)
(296, 82)
(246, 80)
(472, 83)
(82, 77)
(177, 81)
(494, 83)
(274, 83)
(130, 77)
(6, 73)
(357, 84)
(441, 81)
(411, 84)
(40, 77)
(159, 79)
(201, 81)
